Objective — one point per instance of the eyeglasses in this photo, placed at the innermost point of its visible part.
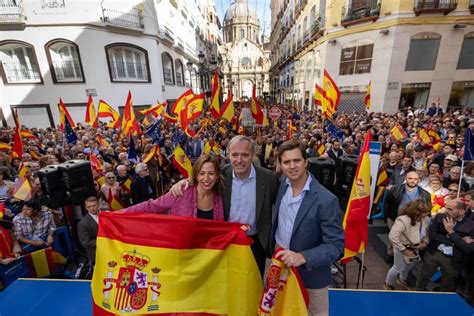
(453, 190)
(110, 177)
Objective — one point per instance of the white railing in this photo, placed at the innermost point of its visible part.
(11, 11)
(131, 19)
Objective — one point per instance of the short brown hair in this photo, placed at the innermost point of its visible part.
(414, 209)
(198, 166)
(290, 145)
(91, 199)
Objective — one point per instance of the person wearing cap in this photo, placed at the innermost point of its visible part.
(439, 159)
(34, 227)
(419, 156)
(454, 177)
(449, 162)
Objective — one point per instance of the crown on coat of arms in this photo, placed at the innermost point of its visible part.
(135, 259)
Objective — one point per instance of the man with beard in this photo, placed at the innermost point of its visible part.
(400, 195)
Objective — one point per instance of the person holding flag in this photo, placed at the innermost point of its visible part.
(307, 225)
(201, 200)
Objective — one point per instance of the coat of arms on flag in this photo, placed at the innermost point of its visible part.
(131, 284)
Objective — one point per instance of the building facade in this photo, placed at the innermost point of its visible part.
(246, 58)
(413, 52)
(72, 49)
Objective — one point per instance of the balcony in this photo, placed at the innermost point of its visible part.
(306, 36)
(11, 15)
(471, 6)
(67, 71)
(435, 6)
(360, 12)
(179, 44)
(166, 34)
(132, 20)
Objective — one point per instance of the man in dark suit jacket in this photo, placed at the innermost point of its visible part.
(142, 187)
(307, 225)
(249, 195)
(336, 152)
(400, 171)
(87, 228)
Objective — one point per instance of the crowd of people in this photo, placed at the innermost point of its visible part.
(258, 176)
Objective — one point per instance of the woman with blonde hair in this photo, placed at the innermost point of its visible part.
(201, 200)
(409, 234)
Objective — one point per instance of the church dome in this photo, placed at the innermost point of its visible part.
(240, 9)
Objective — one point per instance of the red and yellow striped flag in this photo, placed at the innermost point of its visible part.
(22, 190)
(63, 114)
(285, 293)
(155, 110)
(154, 152)
(44, 262)
(216, 92)
(331, 96)
(95, 163)
(105, 110)
(34, 155)
(27, 134)
(256, 109)
(180, 104)
(356, 218)
(5, 147)
(129, 122)
(321, 149)
(127, 185)
(383, 178)
(291, 128)
(150, 271)
(114, 203)
(182, 162)
(228, 110)
(397, 134)
(17, 149)
(91, 115)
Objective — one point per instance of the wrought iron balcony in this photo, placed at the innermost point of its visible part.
(360, 12)
(434, 6)
(132, 19)
(11, 12)
(67, 70)
(21, 72)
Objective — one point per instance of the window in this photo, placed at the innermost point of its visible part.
(179, 72)
(168, 69)
(246, 63)
(423, 52)
(356, 59)
(127, 63)
(64, 61)
(466, 57)
(18, 63)
(242, 33)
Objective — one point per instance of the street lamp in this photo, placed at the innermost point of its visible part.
(189, 65)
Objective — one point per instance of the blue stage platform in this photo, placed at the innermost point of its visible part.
(62, 297)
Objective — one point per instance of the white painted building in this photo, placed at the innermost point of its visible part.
(70, 48)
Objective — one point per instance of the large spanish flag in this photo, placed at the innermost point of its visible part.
(149, 264)
(356, 218)
(129, 122)
(91, 116)
(256, 109)
(216, 93)
(181, 162)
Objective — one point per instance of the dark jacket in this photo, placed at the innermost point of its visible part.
(267, 188)
(87, 232)
(317, 233)
(332, 155)
(140, 192)
(463, 252)
(395, 196)
(397, 176)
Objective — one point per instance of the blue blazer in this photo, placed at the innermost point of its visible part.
(317, 233)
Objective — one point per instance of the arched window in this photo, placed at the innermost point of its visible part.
(466, 57)
(312, 17)
(423, 51)
(246, 63)
(127, 63)
(18, 63)
(168, 69)
(305, 28)
(179, 72)
(64, 61)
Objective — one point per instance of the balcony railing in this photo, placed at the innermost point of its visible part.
(471, 6)
(125, 71)
(306, 36)
(67, 70)
(132, 19)
(21, 73)
(360, 12)
(167, 33)
(11, 11)
(434, 6)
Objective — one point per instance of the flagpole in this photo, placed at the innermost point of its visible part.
(460, 178)
(360, 279)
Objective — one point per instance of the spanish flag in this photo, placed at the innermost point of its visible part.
(127, 185)
(91, 116)
(383, 178)
(5, 147)
(106, 110)
(425, 139)
(182, 162)
(332, 96)
(129, 123)
(284, 292)
(17, 150)
(216, 93)
(256, 109)
(180, 104)
(95, 163)
(23, 190)
(194, 107)
(435, 139)
(155, 110)
(44, 262)
(356, 218)
(169, 118)
(63, 114)
(27, 134)
(319, 95)
(34, 155)
(368, 97)
(203, 268)
(321, 149)
(154, 152)
(397, 134)
(291, 128)
(114, 203)
(228, 110)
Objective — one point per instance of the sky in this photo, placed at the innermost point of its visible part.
(261, 6)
